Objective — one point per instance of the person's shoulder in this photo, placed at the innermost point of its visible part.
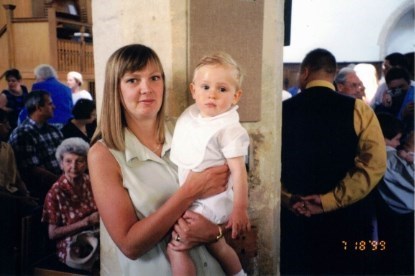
(363, 108)
(54, 129)
(101, 157)
(98, 150)
(24, 127)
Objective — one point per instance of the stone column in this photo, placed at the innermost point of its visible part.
(163, 26)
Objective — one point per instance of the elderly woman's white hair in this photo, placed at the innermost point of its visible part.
(44, 72)
(73, 145)
(77, 76)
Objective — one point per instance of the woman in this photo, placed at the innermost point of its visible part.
(83, 123)
(12, 99)
(74, 81)
(69, 206)
(134, 182)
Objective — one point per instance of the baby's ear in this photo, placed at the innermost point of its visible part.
(192, 89)
(237, 96)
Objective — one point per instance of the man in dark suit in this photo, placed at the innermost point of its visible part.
(333, 155)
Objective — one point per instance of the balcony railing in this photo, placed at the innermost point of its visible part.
(75, 56)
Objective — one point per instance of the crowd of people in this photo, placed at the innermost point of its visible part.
(43, 152)
(163, 189)
(348, 171)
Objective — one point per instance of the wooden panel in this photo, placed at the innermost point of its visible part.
(23, 7)
(4, 53)
(236, 27)
(36, 34)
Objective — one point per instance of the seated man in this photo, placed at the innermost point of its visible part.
(34, 143)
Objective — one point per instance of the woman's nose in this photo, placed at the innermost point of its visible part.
(144, 87)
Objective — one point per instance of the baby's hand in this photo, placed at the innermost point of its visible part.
(239, 221)
(408, 156)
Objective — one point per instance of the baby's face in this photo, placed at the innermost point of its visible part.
(215, 89)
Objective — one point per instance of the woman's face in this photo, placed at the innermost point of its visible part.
(395, 141)
(71, 82)
(92, 117)
(13, 83)
(142, 93)
(73, 166)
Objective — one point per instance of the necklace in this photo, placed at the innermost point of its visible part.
(157, 148)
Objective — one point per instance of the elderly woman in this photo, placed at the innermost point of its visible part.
(69, 205)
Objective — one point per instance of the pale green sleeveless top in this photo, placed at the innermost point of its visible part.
(150, 181)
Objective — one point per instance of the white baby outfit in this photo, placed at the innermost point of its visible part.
(203, 142)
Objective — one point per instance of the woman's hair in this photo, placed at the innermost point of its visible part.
(12, 73)
(74, 145)
(223, 59)
(76, 76)
(112, 121)
(45, 71)
(396, 73)
(83, 109)
(35, 99)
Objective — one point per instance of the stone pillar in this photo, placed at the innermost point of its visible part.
(163, 26)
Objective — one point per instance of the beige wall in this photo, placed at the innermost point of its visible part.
(163, 25)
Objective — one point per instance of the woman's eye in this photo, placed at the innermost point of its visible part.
(156, 78)
(131, 80)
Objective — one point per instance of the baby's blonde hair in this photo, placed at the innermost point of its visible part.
(223, 59)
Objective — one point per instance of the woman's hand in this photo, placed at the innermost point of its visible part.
(93, 218)
(209, 182)
(192, 230)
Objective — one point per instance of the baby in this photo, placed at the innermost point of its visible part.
(208, 134)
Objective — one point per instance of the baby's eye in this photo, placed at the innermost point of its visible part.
(205, 87)
(222, 89)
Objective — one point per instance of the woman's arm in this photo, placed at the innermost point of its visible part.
(135, 237)
(57, 232)
(3, 102)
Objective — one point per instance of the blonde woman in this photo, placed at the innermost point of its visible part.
(135, 184)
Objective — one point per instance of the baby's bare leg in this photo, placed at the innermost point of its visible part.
(181, 263)
(226, 256)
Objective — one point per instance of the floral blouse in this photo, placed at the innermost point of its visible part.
(66, 204)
